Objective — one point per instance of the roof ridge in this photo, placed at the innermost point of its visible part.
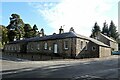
(108, 37)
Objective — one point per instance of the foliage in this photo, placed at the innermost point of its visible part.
(3, 34)
(112, 31)
(95, 30)
(105, 29)
(28, 31)
(35, 30)
(15, 27)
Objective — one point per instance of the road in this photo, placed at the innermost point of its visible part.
(73, 68)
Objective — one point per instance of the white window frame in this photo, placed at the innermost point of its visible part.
(65, 43)
(50, 48)
(45, 45)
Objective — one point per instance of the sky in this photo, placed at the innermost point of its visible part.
(50, 15)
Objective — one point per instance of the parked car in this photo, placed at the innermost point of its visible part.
(116, 53)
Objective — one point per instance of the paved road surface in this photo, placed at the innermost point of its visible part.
(74, 69)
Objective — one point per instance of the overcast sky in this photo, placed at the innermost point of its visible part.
(51, 14)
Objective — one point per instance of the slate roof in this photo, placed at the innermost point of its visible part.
(59, 36)
(98, 42)
(107, 37)
(48, 37)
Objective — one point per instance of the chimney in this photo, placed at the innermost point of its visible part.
(71, 29)
(41, 33)
(61, 30)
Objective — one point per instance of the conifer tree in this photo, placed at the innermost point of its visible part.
(112, 31)
(105, 29)
(95, 30)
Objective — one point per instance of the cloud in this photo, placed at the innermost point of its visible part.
(80, 14)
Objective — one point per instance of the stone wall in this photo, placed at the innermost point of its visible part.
(39, 47)
(31, 56)
(104, 51)
(87, 49)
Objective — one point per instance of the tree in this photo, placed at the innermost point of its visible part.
(35, 30)
(105, 29)
(95, 30)
(28, 31)
(112, 31)
(3, 34)
(15, 28)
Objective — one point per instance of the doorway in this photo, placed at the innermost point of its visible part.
(55, 48)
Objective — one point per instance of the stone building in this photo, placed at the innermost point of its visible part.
(108, 41)
(69, 45)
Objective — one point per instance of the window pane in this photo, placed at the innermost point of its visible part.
(66, 45)
(81, 44)
(38, 46)
(86, 46)
(45, 46)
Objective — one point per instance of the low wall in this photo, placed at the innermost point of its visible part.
(35, 57)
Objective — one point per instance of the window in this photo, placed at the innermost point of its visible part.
(27, 47)
(38, 46)
(86, 46)
(45, 46)
(31, 46)
(6, 48)
(15, 47)
(93, 48)
(50, 48)
(11, 47)
(81, 45)
(66, 45)
(18, 47)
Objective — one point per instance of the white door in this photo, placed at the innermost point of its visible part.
(55, 48)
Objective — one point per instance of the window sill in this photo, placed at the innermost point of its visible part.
(66, 48)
